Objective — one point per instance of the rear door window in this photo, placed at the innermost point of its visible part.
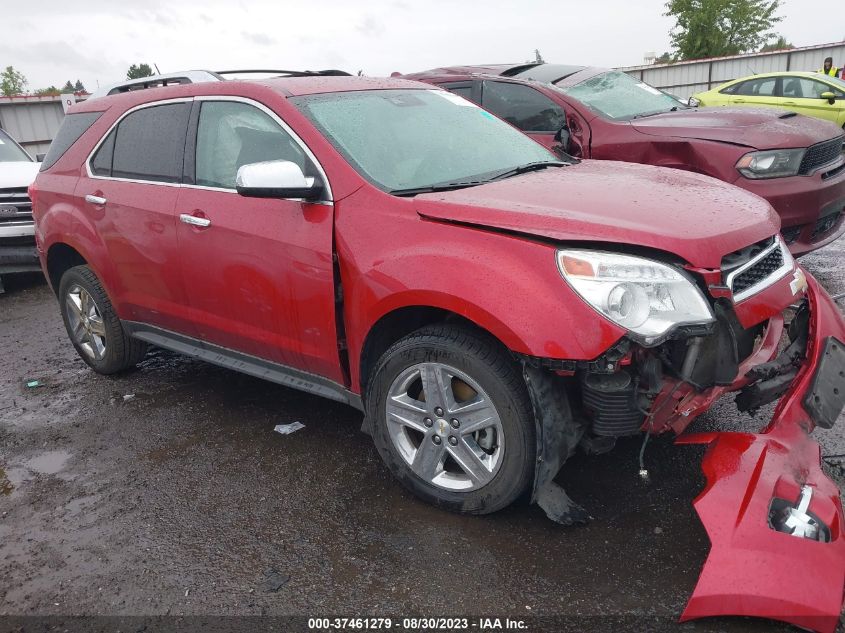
(149, 144)
(73, 126)
(522, 106)
(101, 163)
(757, 88)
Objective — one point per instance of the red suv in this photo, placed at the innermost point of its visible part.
(489, 307)
(794, 162)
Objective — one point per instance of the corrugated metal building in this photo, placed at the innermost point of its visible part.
(686, 78)
(33, 121)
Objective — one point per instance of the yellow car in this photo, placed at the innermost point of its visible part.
(812, 94)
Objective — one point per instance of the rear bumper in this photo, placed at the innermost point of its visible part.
(810, 207)
(754, 569)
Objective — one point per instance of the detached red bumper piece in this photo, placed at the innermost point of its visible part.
(774, 518)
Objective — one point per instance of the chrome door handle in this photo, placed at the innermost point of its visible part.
(194, 220)
(97, 200)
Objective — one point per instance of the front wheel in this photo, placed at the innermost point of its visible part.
(452, 419)
(93, 326)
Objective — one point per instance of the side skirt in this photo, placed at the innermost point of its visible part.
(244, 363)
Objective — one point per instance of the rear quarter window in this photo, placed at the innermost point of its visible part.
(73, 126)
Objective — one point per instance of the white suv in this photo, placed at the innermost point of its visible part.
(17, 231)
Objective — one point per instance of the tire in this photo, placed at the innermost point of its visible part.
(95, 330)
(475, 369)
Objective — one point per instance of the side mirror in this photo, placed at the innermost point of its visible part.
(563, 136)
(829, 96)
(693, 102)
(39, 158)
(276, 179)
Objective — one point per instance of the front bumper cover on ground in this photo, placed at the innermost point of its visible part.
(759, 565)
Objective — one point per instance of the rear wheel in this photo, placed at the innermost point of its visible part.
(93, 326)
(452, 419)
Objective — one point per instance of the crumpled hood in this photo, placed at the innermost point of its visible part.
(17, 174)
(758, 128)
(695, 217)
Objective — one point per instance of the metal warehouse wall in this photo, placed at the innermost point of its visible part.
(32, 121)
(686, 78)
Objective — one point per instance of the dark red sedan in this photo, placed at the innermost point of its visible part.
(794, 162)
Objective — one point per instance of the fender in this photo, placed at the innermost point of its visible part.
(472, 272)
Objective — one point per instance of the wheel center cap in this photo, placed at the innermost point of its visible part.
(442, 427)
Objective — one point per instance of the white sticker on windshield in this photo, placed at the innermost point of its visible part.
(1, 142)
(454, 98)
(648, 88)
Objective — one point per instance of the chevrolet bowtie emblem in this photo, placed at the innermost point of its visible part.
(799, 282)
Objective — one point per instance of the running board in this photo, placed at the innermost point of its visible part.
(244, 363)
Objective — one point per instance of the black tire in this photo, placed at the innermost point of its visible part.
(121, 351)
(485, 361)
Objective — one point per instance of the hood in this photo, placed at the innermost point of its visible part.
(695, 217)
(17, 173)
(758, 128)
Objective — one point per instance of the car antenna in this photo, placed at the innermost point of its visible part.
(753, 72)
(157, 70)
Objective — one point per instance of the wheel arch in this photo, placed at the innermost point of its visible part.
(400, 321)
(61, 257)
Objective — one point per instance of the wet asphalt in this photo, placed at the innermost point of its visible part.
(165, 491)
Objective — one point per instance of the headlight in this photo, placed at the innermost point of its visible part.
(775, 163)
(646, 297)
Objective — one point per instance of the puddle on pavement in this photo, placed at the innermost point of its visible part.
(48, 463)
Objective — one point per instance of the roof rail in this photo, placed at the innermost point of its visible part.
(203, 76)
(290, 73)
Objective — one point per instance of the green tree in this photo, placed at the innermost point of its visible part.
(12, 82)
(52, 91)
(138, 71)
(665, 58)
(78, 87)
(713, 28)
(780, 44)
(68, 87)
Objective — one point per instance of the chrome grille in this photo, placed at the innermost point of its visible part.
(755, 268)
(15, 207)
(820, 154)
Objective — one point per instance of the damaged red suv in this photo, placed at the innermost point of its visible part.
(794, 162)
(489, 307)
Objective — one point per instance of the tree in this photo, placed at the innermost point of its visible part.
(138, 71)
(12, 82)
(78, 87)
(665, 58)
(68, 87)
(52, 91)
(780, 44)
(713, 28)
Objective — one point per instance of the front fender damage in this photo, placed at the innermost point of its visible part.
(774, 519)
(558, 434)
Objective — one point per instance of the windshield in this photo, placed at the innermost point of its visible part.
(410, 139)
(10, 152)
(617, 95)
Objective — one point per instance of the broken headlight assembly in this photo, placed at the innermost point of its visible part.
(646, 297)
(776, 163)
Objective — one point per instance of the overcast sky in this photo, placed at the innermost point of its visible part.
(51, 41)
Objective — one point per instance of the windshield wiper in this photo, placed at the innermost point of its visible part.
(647, 114)
(524, 169)
(440, 186)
